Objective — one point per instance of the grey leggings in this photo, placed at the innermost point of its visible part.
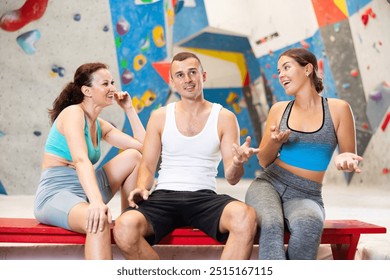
(282, 198)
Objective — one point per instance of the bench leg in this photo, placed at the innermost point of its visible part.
(346, 251)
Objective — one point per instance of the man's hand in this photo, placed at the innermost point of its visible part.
(243, 153)
(137, 195)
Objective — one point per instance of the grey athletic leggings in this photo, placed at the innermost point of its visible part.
(282, 198)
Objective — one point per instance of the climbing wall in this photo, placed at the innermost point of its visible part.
(44, 41)
(37, 60)
(340, 33)
(142, 35)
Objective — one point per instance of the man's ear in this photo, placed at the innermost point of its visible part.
(86, 91)
(171, 83)
(204, 76)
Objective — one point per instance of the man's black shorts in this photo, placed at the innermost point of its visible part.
(166, 210)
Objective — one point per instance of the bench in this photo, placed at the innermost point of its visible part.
(342, 235)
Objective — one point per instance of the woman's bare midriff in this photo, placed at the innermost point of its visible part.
(308, 174)
(50, 160)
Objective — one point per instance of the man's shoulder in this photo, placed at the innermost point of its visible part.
(157, 117)
(226, 113)
(159, 111)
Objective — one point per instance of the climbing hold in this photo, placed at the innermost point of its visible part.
(16, 19)
(244, 132)
(61, 71)
(376, 95)
(118, 41)
(346, 86)
(77, 17)
(320, 64)
(57, 70)
(123, 63)
(365, 19)
(158, 36)
(139, 62)
(354, 73)
(233, 100)
(145, 2)
(305, 44)
(170, 17)
(127, 77)
(371, 13)
(385, 122)
(267, 38)
(122, 26)
(336, 27)
(178, 6)
(366, 15)
(145, 44)
(27, 41)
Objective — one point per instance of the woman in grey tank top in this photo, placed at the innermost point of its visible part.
(299, 140)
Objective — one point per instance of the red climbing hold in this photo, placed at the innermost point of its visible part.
(16, 19)
(385, 122)
(354, 73)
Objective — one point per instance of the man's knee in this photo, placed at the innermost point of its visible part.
(127, 229)
(243, 219)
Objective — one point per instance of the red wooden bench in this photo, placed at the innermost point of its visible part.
(342, 235)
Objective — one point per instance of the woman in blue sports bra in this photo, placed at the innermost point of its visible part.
(299, 140)
(71, 193)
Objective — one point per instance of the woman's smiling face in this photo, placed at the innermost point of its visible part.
(291, 75)
(103, 87)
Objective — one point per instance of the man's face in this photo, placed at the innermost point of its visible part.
(187, 77)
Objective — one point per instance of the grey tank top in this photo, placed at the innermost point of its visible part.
(309, 150)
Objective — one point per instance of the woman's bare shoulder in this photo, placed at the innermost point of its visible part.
(338, 103)
(278, 107)
(339, 107)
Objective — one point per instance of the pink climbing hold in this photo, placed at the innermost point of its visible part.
(122, 26)
(305, 44)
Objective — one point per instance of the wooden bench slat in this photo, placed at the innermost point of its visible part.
(343, 235)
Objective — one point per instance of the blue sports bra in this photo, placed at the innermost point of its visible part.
(56, 143)
(309, 150)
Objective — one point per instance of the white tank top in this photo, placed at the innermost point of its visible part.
(189, 163)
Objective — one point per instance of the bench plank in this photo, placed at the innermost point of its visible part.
(342, 235)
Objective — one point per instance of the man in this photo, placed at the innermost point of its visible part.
(191, 136)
